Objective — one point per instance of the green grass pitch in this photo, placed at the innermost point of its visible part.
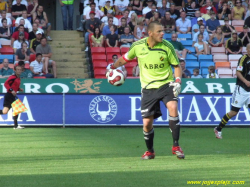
(110, 157)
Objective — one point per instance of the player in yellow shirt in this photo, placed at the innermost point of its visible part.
(155, 58)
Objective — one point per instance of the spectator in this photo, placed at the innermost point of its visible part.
(126, 39)
(27, 22)
(88, 2)
(201, 47)
(32, 34)
(156, 17)
(112, 38)
(185, 73)
(140, 30)
(196, 27)
(22, 22)
(35, 42)
(247, 22)
(150, 14)
(110, 14)
(3, 5)
(9, 22)
(224, 12)
(137, 6)
(238, 11)
(234, 44)
(24, 2)
(148, 8)
(23, 53)
(195, 20)
(168, 23)
(179, 4)
(123, 25)
(37, 21)
(179, 48)
(46, 52)
(67, 9)
(136, 71)
(227, 29)
(133, 22)
(103, 3)
(5, 30)
(15, 35)
(32, 6)
(245, 36)
(122, 68)
(107, 7)
(175, 14)
(17, 9)
(106, 29)
(93, 8)
(247, 12)
(5, 72)
(120, 6)
(212, 23)
(42, 16)
(196, 73)
(130, 9)
(217, 39)
(91, 24)
(190, 9)
(38, 68)
(163, 7)
(208, 4)
(18, 43)
(183, 25)
(26, 72)
(125, 15)
(211, 73)
(207, 16)
(97, 38)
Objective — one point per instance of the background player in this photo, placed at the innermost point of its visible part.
(155, 57)
(12, 85)
(241, 95)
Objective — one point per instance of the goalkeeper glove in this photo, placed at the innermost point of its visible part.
(176, 86)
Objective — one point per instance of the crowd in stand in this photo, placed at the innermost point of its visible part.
(25, 25)
(121, 22)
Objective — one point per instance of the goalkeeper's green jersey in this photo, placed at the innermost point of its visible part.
(154, 63)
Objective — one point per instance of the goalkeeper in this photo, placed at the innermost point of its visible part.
(12, 85)
(155, 58)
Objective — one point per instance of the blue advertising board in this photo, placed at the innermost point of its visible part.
(119, 110)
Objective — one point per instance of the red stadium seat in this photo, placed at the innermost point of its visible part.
(113, 50)
(42, 77)
(32, 57)
(124, 50)
(119, 16)
(6, 50)
(11, 66)
(100, 72)
(27, 66)
(101, 57)
(103, 64)
(130, 71)
(97, 50)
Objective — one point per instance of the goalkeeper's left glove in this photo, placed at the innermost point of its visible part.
(176, 86)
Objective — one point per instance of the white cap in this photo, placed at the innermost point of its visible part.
(209, 8)
(39, 32)
(199, 19)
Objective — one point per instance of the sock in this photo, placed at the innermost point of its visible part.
(15, 121)
(1, 112)
(223, 122)
(174, 126)
(149, 139)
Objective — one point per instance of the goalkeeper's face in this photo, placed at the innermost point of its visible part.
(157, 33)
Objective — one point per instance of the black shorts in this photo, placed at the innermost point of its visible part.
(150, 100)
(8, 100)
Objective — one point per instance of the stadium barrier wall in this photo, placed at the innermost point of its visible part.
(130, 86)
(119, 110)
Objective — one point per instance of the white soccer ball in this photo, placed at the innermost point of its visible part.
(116, 77)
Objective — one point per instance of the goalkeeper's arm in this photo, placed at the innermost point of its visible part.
(118, 63)
(177, 71)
